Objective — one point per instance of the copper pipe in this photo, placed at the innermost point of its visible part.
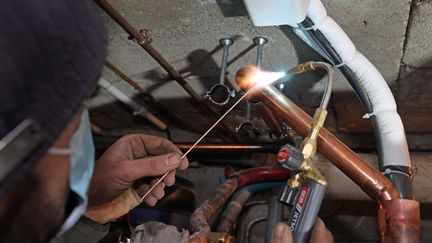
(376, 185)
(199, 218)
(230, 148)
(126, 78)
(232, 210)
(400, 221)
(398, 218)
(139, 38)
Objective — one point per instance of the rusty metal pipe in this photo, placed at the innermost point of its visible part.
(139, 38)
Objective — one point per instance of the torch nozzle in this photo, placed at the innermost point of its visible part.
(247, 77)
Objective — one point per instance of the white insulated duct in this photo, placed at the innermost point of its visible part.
(394, 143)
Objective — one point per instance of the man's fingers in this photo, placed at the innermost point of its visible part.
(150, 200)
(281, 234)
(184, 163)
(156, 194)
(158, 191)
(320, 234)
(169, 180)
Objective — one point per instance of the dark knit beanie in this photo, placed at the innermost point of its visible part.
(51, 57)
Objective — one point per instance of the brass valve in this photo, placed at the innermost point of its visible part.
(309, 145)
(304, 67)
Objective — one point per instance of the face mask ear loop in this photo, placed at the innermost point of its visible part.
(60, 151)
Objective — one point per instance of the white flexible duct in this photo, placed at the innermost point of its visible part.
(394, 143)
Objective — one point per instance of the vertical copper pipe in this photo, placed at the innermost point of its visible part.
(120, 20)
(402, 220)
(376, 185)
(232, 210)
(199, 219)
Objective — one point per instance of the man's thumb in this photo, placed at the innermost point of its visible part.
(281, 234)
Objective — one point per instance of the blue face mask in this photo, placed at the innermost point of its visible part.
(82, 158)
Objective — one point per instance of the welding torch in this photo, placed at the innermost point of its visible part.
(250, 79)
(265, 78)
(305, 190)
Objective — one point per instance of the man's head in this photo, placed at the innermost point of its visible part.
(36, 204)
(51, 56)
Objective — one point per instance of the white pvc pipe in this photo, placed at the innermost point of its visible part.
(395, 147)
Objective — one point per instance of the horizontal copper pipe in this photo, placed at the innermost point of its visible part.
(229, 148)
(376, 185)
(219, 146)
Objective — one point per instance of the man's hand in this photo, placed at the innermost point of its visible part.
(320, 234)
(131, 158)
